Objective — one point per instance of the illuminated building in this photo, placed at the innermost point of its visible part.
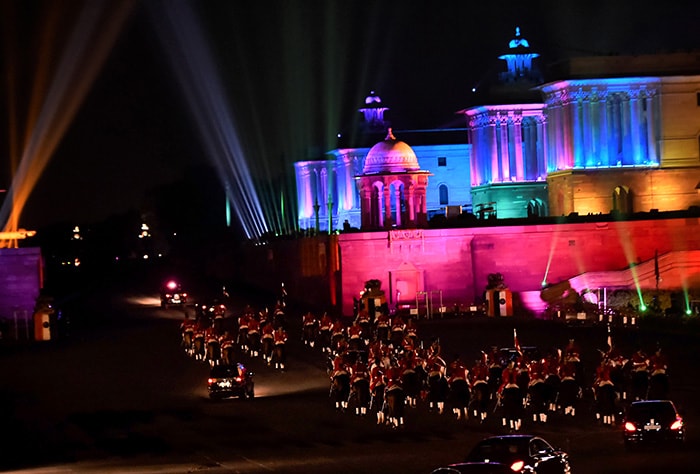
(434, 163)
(603, 138)
(611, 136)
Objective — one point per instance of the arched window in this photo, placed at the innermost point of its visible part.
(536, 208)
(444, 198)
(622, 200)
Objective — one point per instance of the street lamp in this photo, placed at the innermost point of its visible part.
(317, 208)
(330, 214)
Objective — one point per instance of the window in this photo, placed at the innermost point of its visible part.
(444, 199)
(622, 200)
(442, 161)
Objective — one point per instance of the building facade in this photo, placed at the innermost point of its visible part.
(612, 135)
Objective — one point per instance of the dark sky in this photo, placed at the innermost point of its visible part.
(295, 73)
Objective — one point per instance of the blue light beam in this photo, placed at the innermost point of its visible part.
(195, 70)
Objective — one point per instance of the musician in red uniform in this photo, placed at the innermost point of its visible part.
(377, 385)
(309, 328)
(458, 381)
(509, 377)
(359, 375)
(355, 339)
(281, 337)
(324, 328)
(254, 336)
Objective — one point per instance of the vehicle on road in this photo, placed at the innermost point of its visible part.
(652, 422)
(234, 380)
(520, 453)
(172, 294)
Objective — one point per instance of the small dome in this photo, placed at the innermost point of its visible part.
(390, 156)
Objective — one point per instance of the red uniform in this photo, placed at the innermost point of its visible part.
(355, 332)
(358, 372)
(226, 341)
(280, 336)
(363, 317)
(377, 377)
(187, 325)
(458, 371)
(268, 330)
(572, 351)
(338, 329)
(568, 371)
(537, 372)
(509, 378)
(602, 375)
(326, 323)
(383, 321)
(640, 361)
(658, 363)
(393, 377)
(479, 373)
(436, 366)
(339, 366)
(253, 326)
(309, 319)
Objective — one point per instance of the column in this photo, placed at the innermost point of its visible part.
(577, 131)
(603, 135)
(475, 140)
(650, 135)
(542, 138)
(634, 128)
(410, 196)
(625, 122)
(566, 160)
(504, 162)
(495, 176)
(518, 142)
(366, 206)
(386, 195)
(589, 151)
(397, 200)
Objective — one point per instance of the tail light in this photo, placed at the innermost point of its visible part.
(517, 466)
(629, 426)
(211, 381)
(677, 424)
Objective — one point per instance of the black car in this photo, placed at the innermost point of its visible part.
(233, 380)
(172, 294)
(653, 421)
(520, 453)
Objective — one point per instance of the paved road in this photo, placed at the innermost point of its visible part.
(120, 396)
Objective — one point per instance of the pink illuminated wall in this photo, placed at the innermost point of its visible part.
(456, 262)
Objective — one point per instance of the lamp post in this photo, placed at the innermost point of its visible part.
(317, 208)
(330, 214)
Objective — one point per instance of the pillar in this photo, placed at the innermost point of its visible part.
(505, 160)
(650, 135)
(518, 142)
(495, 176)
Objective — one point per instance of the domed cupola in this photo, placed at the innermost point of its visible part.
(390, 156)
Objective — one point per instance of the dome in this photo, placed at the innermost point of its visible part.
(390, 156)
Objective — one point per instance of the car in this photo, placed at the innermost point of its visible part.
(172, 294)
(232, 380)
(518, 453)
(653, 422)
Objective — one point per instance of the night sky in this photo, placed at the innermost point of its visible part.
(294, 74)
